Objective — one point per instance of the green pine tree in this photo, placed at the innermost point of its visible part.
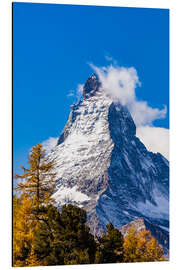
(110, 246)
(68, 241)
(48, 240)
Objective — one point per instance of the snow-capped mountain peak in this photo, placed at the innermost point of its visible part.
(103, 167)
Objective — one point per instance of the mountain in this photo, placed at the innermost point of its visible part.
(103, 167)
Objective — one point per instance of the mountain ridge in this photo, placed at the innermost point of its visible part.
(103, 167)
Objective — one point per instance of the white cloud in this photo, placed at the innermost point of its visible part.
(145, 115)
(76, 94)
(120, 83)
(49, 144)
(110, 59)
(156, 139)
(71, 94)
(80, 89)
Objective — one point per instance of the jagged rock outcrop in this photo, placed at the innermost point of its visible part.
(91, 86)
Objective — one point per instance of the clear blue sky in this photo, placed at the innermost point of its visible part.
(52, 45)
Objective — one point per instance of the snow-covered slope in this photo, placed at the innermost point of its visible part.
(103, 167)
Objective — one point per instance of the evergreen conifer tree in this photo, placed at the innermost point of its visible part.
(68, 241)
(110, 246)
(78, 239)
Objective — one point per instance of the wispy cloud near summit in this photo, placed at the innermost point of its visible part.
(120, 83)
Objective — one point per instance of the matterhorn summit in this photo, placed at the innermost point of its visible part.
(104, 168)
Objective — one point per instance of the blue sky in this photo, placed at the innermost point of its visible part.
(52, 46)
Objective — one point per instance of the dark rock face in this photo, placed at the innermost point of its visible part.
(103, 167)
(91, 86)
(120, 122)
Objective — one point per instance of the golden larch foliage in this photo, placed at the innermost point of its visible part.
(34, 192)
(141, 247)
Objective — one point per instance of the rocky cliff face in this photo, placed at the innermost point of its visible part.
(103, 167)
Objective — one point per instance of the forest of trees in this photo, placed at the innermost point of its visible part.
(43, 235)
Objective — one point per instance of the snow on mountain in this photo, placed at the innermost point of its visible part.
(103, 167)
(65, 195)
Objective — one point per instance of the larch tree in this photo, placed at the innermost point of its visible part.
(34, 191)
(141, 247)
(38, 182)
(23, 230)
